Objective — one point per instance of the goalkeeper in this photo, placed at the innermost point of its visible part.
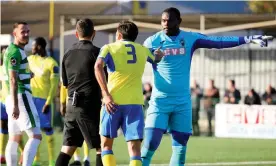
(170, 103)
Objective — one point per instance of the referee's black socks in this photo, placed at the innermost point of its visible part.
(99, 160)
(63, 159)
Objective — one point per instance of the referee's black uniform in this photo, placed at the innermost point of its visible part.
(82, 116)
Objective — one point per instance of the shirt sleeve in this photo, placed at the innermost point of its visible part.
(219, 42)
(63, 94)
(108, 60)
(14, 60)
(148, 44)
(104, 54)
(150, 57)
(54, 80)
(54, 69)
(63, 73)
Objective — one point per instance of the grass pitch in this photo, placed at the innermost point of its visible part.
(200, 150)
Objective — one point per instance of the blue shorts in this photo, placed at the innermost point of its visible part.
(45, 119)
(128, 117)
(166, 115)
(4, 115)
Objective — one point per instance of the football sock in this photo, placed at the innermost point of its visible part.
(11, 153)
(30, 150)
(77, 154)
(63, 159)
(178, 156)
(99, 160)
(135, 161)
(3, 143)
(50, 143)
(179, 146)
(152, 140)
(146, 156)
(108, 158)
(85, 151)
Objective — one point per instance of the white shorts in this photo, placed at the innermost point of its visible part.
(28, 116)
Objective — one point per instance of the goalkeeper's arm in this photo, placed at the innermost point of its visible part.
(220, 42)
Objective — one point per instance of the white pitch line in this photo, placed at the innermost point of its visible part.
(233, 163)
(221, 163)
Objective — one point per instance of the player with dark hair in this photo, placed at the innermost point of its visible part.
(170, 103)
(82, 116)
(44, 85)
(123, 94)
(22, 113)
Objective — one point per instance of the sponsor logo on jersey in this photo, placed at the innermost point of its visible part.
(13, 61)
(175, 51)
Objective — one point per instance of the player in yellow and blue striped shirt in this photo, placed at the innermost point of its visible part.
(123, 95)
(4, 121)
(3, 113)
(44, 86)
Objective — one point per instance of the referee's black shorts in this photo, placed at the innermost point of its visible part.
(82, 123)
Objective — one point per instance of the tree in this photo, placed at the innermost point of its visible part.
(262, 7)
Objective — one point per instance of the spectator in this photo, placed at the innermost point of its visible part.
(270, 95)
(211, 97)
(232, 95)
(196, 93)
(3, 49)
(147, 94)
(252, 98)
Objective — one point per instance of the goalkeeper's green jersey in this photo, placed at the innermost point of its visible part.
(15, 59)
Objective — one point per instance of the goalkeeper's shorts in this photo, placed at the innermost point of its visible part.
(176, 117)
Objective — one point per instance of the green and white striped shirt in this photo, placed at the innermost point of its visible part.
(16, 59)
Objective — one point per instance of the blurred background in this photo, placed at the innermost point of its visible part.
(232, 78)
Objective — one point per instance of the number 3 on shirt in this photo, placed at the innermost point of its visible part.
(132, 53)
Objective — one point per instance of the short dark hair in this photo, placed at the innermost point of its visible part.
(15, 25)
(41, 42)
(173, 10)
(85, 27)
(3, 47)
(128, 29)
(233, 82)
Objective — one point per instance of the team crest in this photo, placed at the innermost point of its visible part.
(13, 61)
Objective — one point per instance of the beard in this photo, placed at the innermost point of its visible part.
(24, 41)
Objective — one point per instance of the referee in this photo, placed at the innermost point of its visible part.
(82, 115)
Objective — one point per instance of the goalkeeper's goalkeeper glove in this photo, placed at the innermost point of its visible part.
(258, 39)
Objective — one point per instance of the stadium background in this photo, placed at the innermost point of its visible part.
(250, 66)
